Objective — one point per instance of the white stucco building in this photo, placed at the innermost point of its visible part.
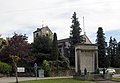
(44, 31)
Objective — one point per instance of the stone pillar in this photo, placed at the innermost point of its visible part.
(77, 60)
(76, 64)
(93, 61)
(96, 59)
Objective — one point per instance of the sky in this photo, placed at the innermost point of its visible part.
(25, 16)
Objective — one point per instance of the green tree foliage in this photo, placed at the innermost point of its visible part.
(75, 37)
(113, 52)
(118, 48)
(3, 43)
(65, 62)
(41, 48)
(47, 68)
(5, 68)
(101, 47)
(110, 47)
(113, 63)
(42, 44)
(58, 61)
(117, 58)
(55, 51)
(61, 63)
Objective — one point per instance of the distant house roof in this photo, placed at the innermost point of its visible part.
(63, 40)
(87, 39)
(67, 40)
(39, 29)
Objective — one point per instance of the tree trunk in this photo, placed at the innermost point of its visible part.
(16, 74)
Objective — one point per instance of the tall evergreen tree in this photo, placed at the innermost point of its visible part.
(41, 48)
(112, 51)
(117, 58)
(118, 48)
(114, 47)
(76, 30)
(110, 48)
(101, 47)
(55, 51)
(42, 44)
(75, 37)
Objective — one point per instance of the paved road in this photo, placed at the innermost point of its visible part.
(107, 82)
(12, 79)
(116, 76)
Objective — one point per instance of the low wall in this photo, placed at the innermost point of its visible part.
(117, 70)
(62, 72)
(94, 77)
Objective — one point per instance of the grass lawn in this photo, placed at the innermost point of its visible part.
(64, 80)
(116, 79)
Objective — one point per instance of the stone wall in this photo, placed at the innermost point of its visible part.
(62, 72)
(93, 77)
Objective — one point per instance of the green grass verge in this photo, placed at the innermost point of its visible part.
(57, 81)
(116, 79)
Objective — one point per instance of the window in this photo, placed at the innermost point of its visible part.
(36, 34)
(46, 34)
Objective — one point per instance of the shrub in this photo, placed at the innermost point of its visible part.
(5, 68)
(46, 67)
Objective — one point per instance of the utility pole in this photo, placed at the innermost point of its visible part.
(84, 33)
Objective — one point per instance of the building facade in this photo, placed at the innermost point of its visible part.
(86, 55)
(64, 45)
(44, 31)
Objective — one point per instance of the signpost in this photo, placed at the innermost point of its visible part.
(20, 69)
(35, 67)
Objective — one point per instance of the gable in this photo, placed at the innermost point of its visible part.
(87, 40)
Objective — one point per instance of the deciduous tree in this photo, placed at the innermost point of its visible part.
(17, 45)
